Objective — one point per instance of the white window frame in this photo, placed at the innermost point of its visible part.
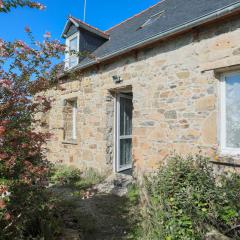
(117, 167)
(67, 55)
(223, 148)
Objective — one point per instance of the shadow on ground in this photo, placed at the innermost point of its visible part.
(101, 217)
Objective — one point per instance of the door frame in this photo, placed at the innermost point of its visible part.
(117, 167)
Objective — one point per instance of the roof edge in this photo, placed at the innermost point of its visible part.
(80, 24)
(222, 12)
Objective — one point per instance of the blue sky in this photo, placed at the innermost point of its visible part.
(102, 14)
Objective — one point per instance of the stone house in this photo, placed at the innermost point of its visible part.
(165, 80)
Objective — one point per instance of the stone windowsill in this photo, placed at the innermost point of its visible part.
(70, 142)
(228, 160)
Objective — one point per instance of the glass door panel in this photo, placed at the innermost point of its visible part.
(125, 116)
(125, 152)
(124, 132)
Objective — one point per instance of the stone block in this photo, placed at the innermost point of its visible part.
(87, 155)
(205, 104)
(209, 130)
(170, 114)
(183, 75)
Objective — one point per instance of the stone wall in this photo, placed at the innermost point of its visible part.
(175, 98)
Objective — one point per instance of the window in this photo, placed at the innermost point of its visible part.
(70, 120)
(230, 113)
(152, 19)
(124, 132)
(71, 59)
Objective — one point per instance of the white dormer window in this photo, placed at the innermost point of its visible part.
(72, 43)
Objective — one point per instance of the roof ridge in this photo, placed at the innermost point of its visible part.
(136, 15)
(98, 30)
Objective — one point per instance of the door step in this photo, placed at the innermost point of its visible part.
(116, 184)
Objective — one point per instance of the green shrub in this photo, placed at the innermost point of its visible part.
(185, 201)
(63, 174)
(133, 205)
(89, 178)
(69, 175)
(133, 194)
(39, 220)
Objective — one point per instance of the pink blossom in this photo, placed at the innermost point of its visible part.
(58, 46)
(7, 216)
(2, 204)
(1, 43)
(39, 98)
(38, 5)
(2, 130)
(5, 122)
(47, 35)
(6, 83)
(3, 189)
(3, 156)
(3, 52)
(23, 46)
(27, 29)
(20, 43)
(41, 6)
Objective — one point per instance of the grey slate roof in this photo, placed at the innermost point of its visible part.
(81, 24)
(176, 13)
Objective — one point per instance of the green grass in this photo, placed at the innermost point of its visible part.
(70, 176)
(133, 194)
(64, 175)
(133, 205)
(89, 178)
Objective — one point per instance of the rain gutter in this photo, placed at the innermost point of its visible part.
(181, 28)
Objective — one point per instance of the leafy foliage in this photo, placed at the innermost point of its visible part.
(133, 194)
(185, 200)
(7, 5)
(25, 73)
(69, 175)
(90, 177)
(38, 216)
(63, 174)
(133, 204)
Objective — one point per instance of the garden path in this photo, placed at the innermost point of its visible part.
(97, 213)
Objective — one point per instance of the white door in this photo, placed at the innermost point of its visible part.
(124, 132)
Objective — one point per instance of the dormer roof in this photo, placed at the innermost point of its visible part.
(164, 19)
(82, 25)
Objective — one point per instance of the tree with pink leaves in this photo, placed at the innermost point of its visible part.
(26, 71)
(7, 5)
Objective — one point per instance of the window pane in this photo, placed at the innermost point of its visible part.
(125, 152)
(126, 108)
(233, 111)
(73, 44)
(73, 60)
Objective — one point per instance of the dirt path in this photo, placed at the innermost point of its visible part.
(103, 216)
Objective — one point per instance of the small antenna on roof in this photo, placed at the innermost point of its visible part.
(85, 8)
